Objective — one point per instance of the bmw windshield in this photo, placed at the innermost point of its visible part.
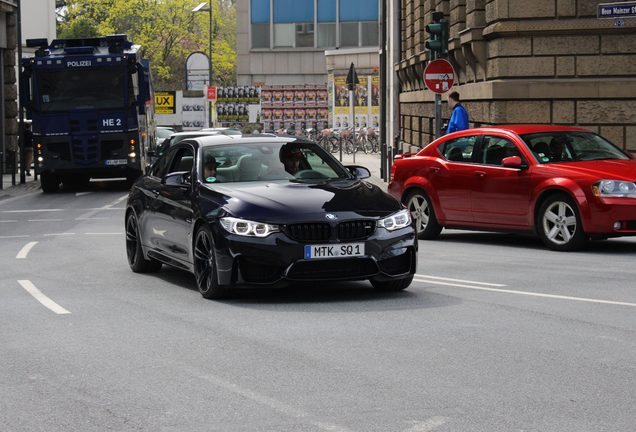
(553, 147)
(303, 162)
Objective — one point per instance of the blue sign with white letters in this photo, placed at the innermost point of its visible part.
(617, 10)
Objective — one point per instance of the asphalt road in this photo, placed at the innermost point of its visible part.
(495, 334)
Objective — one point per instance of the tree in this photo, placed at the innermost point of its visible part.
(167, 30)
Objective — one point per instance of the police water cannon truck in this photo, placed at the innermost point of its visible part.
(91, 105)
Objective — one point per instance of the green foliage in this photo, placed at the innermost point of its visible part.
(167, 30)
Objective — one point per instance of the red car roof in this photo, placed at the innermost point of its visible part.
(521, 129)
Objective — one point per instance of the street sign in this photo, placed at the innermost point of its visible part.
(211, 93)
(352, 77)
(439, 76)
(616, 10)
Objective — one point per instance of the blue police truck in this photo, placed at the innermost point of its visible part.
(92, 109)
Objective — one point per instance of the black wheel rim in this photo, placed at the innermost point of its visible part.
(204, 261)
(131, 239)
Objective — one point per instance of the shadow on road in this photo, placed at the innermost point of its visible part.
(620, 245)
(335, 297)
(101, 185)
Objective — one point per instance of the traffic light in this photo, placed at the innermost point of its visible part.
(438, 42)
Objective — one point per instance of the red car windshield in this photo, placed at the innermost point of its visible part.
(554, 147)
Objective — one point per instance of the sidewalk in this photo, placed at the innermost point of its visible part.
(9, 190)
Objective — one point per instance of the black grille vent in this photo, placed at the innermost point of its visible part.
(257, 271)
(630, 225)
(309, 232)
(398, 264)
(62, 150)
(75, 126)
(113, 149)
(355, 230)
(85, 151)
(344, 268)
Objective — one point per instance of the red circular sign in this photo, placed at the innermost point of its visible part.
(439, 76)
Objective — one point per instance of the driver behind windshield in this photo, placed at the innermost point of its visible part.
(209, 169)
(291, 157)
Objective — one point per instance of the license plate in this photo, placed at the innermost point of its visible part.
(116, 161)
(342, 250)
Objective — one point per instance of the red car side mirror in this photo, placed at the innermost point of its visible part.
(513, 162)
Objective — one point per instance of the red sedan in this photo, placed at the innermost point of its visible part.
(565, 184)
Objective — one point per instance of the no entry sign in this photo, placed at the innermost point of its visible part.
(439, 76)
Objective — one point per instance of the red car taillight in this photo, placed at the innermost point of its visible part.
(392, 176)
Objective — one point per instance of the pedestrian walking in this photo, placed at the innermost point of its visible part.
(459, 115)
(28, 148)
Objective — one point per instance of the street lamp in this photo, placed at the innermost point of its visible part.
(200, 8)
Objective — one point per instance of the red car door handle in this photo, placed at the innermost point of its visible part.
(435, 169)
(480, 173)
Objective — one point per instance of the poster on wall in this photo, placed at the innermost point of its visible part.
(367, 100)
(237, 104)
(193, 113)
(294, 106)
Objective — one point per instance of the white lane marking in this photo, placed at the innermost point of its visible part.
(32, 211)
(528, 293)
(272, 403)
(39, 296)
(104, 233)
(25, 250)
(92, 218)
(77, 194)
(117, 201)
(92, 209)
(59, 234)
(14, 236)
(427, 425)
(459, 280)
(45, 220)
(7, 221)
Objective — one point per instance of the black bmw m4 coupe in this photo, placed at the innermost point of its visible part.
(263, 210)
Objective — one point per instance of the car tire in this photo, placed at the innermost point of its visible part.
(559, 224)
(134, 251)
(50, 183)
(423, 214)
(205, 266)
(392, 285)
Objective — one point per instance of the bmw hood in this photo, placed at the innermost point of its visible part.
(288, 202)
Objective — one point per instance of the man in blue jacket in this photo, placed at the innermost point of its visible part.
(459, 116)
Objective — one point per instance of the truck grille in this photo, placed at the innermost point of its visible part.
(85, 151)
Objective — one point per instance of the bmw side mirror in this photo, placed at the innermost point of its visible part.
(359, 171)
(513, 162)
(179, 179)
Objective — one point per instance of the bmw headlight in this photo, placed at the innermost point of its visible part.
(614, 189)
(247, 228)
(396, 221)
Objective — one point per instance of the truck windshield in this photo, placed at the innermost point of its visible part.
(67, 89)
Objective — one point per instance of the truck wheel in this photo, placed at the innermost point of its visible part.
(50, 183)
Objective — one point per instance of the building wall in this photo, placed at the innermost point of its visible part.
(521, 61)
(8, 90)
(279, 66)
(38, 19)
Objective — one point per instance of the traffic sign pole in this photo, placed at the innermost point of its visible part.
(439, 77)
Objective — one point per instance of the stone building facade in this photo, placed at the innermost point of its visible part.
(523, 61)
(8, 90)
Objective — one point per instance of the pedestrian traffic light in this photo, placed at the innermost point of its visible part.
(438, 42)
